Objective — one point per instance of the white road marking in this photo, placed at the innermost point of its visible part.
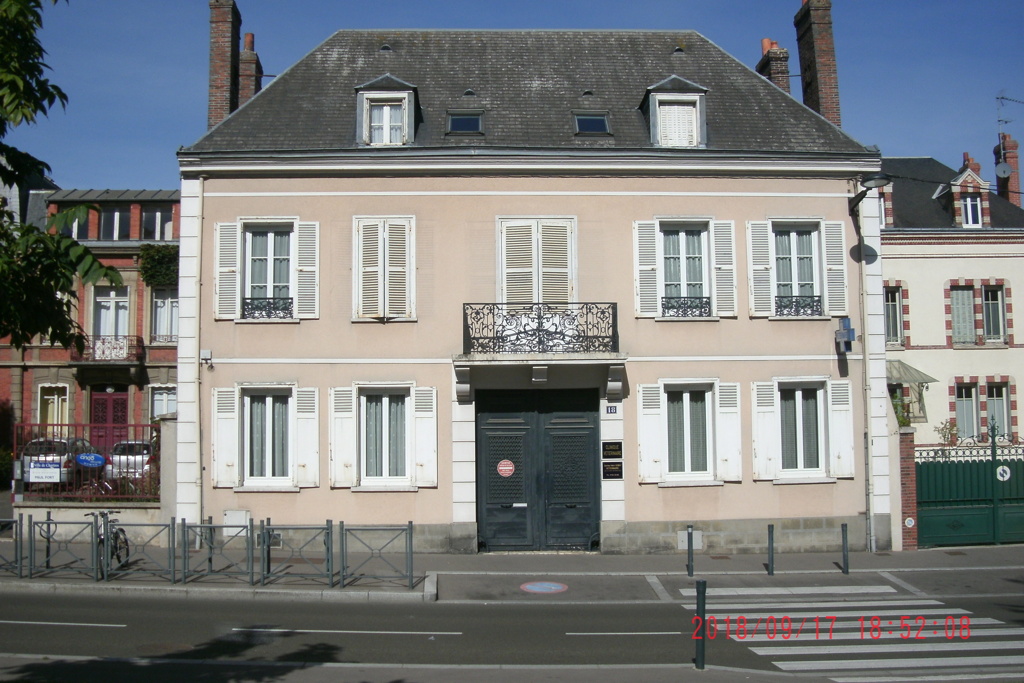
(63, 623)
(823, 634)
(360, 633)
(875, 648)
(796, 590)
(901, 583)
(629, 633)
(921, 663)
(816, 605)
(659, 589)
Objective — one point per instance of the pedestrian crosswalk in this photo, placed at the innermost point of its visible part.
(864, 634)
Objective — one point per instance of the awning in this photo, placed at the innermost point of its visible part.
(898, 372)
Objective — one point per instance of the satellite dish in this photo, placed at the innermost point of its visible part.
(1004, 170)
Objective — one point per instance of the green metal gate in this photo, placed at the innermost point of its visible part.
(970, 494)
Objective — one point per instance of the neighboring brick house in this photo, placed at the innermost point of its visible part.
(952, 251)
(127, 373)
(531, 289)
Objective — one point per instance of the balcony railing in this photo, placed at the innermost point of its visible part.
(540, 328)
(686, 306)
(267, 307)
(107, 349)
(798, 306)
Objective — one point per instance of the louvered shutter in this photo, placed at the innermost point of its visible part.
(518, 258)
(760, 259)
(344, 438)
(225, 438)
(724, 268)
(307, 262)
(424, 400)
(398, 258)
(835, 269)
(728, 436)
(555, 261)
(227, 287)
(645, 244)
(766, 430)
(652, 434)
(370, 285)
(840, 429)
(961, 301)
(307, 438)
(677, 124)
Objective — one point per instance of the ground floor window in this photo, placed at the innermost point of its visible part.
(800, 410)
(266, 435)
(384, 431)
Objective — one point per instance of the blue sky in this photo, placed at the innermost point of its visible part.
(916, 77)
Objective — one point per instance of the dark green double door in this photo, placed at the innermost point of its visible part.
(538, 469)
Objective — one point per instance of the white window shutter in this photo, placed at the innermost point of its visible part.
(424, 401)
(677, 124)
(728, 435)
(652, 434)
(370, 270)
(344, 437)
(767, 430)
(645, 245)
(227, 287)
(307, 262)
(398, 257)
(555, 261)
(518, 261)
(840, 430)
(759, 247)
(724, 268)
(225, 438)
(835, 269)
(307, 438)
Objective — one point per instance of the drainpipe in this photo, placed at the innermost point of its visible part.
(198, 363)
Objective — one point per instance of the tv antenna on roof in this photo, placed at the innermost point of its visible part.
(1003, 169)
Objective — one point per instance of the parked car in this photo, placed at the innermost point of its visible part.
(132, 459)
(41, 456)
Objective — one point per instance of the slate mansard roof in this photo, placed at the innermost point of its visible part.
(527, 84)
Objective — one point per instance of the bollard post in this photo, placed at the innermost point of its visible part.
(49, 533)
(771, 550)
(689, 550)
(846, 551)
(702, 589)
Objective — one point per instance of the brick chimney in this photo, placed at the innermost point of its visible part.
(225, 24)
(1006, 153)
(970, 163)
(250, 71)
(774, 64)
(817, 50)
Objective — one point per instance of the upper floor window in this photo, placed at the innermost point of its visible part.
(893, 297)
(592, 123)
(386, 118)
(267, 269)
(77, 230)
(797, 268)
(537, 260)
(115, 223)
(993, 312)
(384, 268)
(968, 424)
(465, 123)
(675, 120)
(685, 268)
(966, 326)
(165, 317)
(157, 223)
(970, 206)
(997, 402)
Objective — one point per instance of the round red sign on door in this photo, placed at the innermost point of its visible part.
(506, 468)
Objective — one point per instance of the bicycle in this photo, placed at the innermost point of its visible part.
(118, 548)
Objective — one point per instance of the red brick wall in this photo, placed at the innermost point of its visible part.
(818, 71)
(225, 24)
(908, 488)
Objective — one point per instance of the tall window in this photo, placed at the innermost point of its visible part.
(266, 435)
(797, 292)
(961, 301)
(165, 316)
(385, 435)
(385, 118)
(997, 402)
(967, 422)
(384, 254)
(801, 435)
(688, 435)
(157, 222)
(993, 313)
(110, 311)
(685, 276)
(268, 273)
(163, 401)
(115, 223)
(970, 206)
(53, 404)
(893, 316)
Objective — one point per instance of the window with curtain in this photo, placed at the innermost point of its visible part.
(268, 276)
(998, 407)
(993, 313)
(165, 316)
(53, 404)
(163, 401)
(688, 424)
(800, 409)
(384, 430)
(267, 436)
(967, 422)
(685, 284)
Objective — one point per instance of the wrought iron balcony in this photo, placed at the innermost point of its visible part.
(108, 349)
(540, 328)
(686, 306)
(798, 306)
(267, 307)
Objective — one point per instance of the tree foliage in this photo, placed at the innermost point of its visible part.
(39, 267)
(158, 264)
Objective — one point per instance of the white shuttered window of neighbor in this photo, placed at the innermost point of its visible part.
(538, 260)
(384, 268)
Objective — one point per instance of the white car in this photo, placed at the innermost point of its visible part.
(132, 459)
(52, 460)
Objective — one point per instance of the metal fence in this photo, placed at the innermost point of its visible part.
(183, 552)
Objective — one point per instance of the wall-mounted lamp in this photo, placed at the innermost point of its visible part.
(206, 358)
(869, 182)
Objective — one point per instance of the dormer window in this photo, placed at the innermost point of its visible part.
(386, 112)
(970, 206)
(675, 121)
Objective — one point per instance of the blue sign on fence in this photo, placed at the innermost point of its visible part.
(90, 460)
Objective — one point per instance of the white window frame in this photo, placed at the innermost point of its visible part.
(384, 268)
(266, 396)
(164, 222)
(164, 316)
(994, 314)
(121, 215)
(165, 390)
(1001, 415)
(271, 230)
(694, 136)
(792, 230)
(687, 471)
(821, 396)
(386, 478)
(117, 322)
(534, 251)
(893, 309)
(372, 98)
(970, 209)
(62, 409)
(968, 413)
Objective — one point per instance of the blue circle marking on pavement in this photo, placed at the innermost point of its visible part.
(544, 587)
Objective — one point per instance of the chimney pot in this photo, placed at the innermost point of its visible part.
(816, 46)
(1006, 152)
(250, 42)
(766, 44)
